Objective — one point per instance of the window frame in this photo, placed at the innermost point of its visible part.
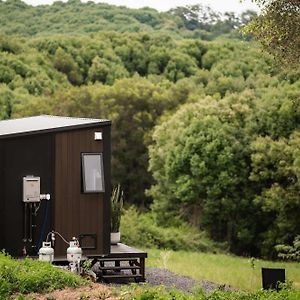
(83, 172)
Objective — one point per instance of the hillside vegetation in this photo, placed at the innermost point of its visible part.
(74, 17)
(204, 132)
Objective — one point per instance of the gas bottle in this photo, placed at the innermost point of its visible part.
(46, 253)
(74, 252)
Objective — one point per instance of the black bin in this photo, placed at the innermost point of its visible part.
(272, 277)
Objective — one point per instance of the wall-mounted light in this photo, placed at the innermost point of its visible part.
(98, 136)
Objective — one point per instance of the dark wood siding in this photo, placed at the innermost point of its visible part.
(76, 213)
(2, 202)
(20, 157)
(106, 203)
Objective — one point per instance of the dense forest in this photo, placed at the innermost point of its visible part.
(74, 17)
(205, 125)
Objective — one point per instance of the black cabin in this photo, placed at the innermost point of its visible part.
(67, 158)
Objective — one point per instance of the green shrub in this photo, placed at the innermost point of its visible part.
(290, 252)
(26, 276)
(141, 230)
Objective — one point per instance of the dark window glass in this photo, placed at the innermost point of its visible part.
(92, 172)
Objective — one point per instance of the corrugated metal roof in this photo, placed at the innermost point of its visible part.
(45, 123)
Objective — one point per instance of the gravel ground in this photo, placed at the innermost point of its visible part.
(156, 276)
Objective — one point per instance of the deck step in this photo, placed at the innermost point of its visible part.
(119, 268)
(116, 259)
(121, 276)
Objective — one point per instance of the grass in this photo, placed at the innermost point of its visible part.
(220, 268)
(160, 293)
(22, 277)
(26, 276)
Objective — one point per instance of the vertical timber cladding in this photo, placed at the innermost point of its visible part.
(77, 213)
(2, 207)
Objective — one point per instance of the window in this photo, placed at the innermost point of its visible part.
(92, 172)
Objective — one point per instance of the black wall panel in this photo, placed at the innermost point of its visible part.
(31, 155)
(2, 185)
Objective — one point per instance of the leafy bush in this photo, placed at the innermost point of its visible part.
(290, 252)
(29, 275)
(141, 229)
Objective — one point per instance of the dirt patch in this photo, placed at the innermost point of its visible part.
(93, 291)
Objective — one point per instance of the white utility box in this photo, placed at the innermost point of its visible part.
(31, 189)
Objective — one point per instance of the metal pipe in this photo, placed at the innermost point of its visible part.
(30, 223)
(33, 224)
(25, 224)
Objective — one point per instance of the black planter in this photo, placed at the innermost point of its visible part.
(272, 277)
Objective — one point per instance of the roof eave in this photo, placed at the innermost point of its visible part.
(58, 129)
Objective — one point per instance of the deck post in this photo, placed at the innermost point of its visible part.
(142, 268)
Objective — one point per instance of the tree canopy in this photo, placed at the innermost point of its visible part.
(224, 163)
(207, 124)
(278, 29)
(76, 17)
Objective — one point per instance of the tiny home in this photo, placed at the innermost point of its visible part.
(54, 176)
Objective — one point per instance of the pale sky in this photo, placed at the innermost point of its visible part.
(163, 5)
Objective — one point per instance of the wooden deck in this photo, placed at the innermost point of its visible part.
(123, 262)
(119, 250)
